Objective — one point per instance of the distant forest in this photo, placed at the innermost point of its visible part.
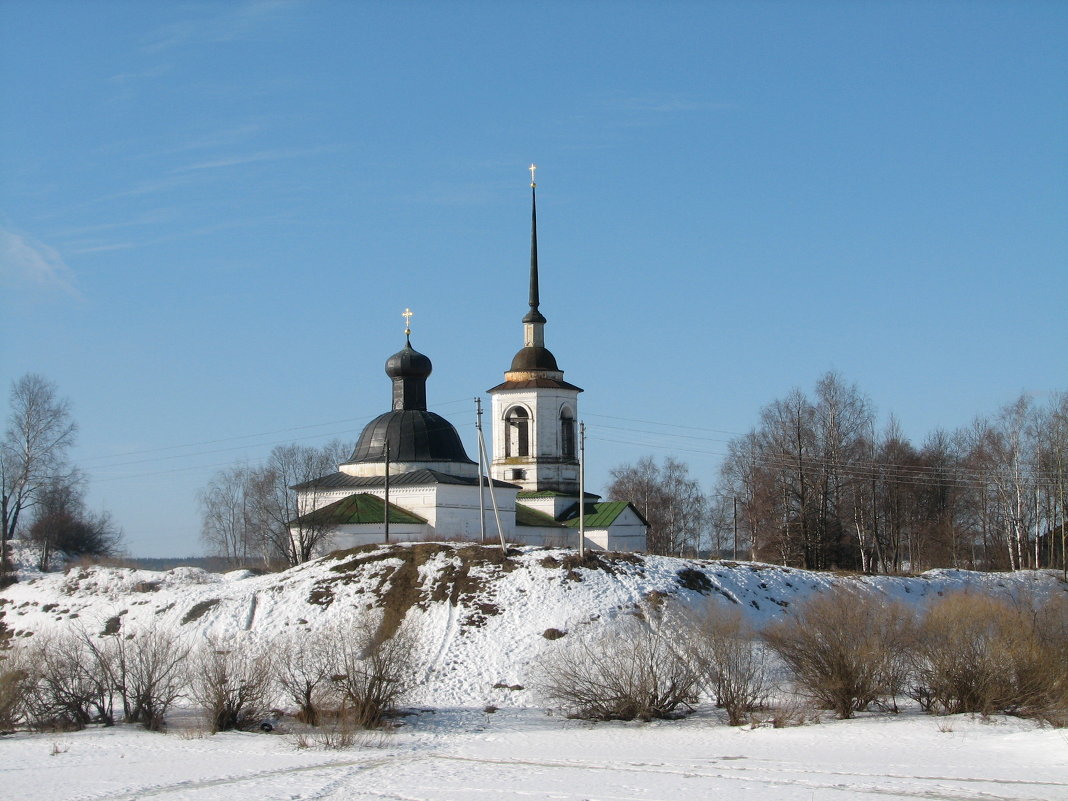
(816, 485)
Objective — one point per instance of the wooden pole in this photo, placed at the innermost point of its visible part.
(492, 494)
(481, 466)
(385, 510)
(582, 491)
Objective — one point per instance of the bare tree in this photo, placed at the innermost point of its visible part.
(634, 672)
(71, 684)
(232, 683)
(844, 649)
(33, 453)
(16, 683)
(255, 512)
(226, 516)
(731, 661)
(277, 506)
(63, 524)
(304, 665)
(149, 668)
(372, 670)
(671, 502)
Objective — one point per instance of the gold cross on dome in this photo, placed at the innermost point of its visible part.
(407, 315)
(532, 168)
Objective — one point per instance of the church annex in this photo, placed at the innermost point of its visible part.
(410, 479)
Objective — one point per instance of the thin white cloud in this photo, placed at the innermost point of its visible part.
(80, 249)
(235, 23)
(251, 158)
(123, 78)
(664, 104)
(221, 138)
(153, 217)
(25, 260)
(152, 187)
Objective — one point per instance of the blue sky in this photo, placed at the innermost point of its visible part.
(213, 214)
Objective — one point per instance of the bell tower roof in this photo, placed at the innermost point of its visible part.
(534, 364)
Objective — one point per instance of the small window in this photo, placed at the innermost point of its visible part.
(567, 433)
(517, 425)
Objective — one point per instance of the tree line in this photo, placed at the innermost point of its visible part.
(816, 484)
(40, 485)
(246, 510)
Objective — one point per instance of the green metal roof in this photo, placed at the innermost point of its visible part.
(598, 515)
(359, 508)
(525, 516)
(551, 494)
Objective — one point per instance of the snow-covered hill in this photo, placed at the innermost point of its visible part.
(483, 617)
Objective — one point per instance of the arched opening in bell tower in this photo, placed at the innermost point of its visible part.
(517, 428)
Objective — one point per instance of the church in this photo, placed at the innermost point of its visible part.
(410, 479)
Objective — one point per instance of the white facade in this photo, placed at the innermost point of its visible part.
(534, 437)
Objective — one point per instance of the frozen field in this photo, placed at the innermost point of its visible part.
(525, 754)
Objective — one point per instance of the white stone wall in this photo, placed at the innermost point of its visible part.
(372, 534)
(543, 406)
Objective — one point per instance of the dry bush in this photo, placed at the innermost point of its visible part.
(150, 674)
(304, 663)
(71, 684)
(844, 650)
(1051, 628)
(16, 679)
(631, 673)
(371, 672)
(731, 662)
(977, 653)
(232, 682)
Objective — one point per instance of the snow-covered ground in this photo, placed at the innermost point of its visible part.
(481, 620)
(466, 754)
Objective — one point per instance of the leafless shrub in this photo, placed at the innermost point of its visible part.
(70, 685)
(372, 672)
(150, 669)
(843, 649)
(16, 679)
(304, 663)
(977, 653)
(631, 673)
(232, 682)
(731, 662)
(338, 735)
(793, 711)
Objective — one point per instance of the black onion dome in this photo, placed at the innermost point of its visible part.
(534, 357)
(408, 363)
(414, 435)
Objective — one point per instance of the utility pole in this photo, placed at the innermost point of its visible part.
(735, 528)
(582, 491)
(385, 510)
(481, 467)
(492, 494)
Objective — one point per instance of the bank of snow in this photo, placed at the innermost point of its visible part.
(482, 616)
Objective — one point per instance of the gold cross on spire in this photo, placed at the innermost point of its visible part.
(532, 168)
(407, 314)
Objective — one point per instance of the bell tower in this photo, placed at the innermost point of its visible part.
(535, 410)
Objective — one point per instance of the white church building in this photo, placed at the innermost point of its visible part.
(410, 479)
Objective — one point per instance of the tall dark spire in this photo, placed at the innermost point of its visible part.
(534, 315)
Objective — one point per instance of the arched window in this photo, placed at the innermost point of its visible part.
(517, 425)
(567, 433)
